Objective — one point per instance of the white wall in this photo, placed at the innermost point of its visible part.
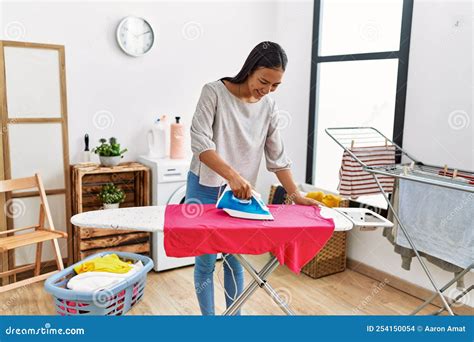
(132, 92)
(439, 125)
(111, 94)
(294, 31)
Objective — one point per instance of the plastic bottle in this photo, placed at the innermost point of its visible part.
(166, 124)
(177, 140)
(156, 138)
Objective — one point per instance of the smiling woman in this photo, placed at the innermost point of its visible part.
(234, 125)
(261, 73)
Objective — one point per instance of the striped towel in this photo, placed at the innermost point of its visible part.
(469, 178)
(354, 181)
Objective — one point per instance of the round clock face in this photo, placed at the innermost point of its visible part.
(135, 36)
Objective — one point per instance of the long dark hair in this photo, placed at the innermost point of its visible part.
(264, 55)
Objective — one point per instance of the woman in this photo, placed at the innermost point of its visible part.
(235, 123)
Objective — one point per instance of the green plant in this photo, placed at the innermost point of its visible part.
(111, 194)
(111, 149)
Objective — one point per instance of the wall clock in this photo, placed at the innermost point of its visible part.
(135, 36)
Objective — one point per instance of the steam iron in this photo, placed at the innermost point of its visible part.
(253, 208)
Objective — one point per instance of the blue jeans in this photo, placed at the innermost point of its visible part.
(205, 264)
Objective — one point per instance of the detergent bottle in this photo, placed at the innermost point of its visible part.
(177, 140)
(156, 138)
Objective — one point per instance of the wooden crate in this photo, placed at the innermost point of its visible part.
(332, 257)
(87, 181)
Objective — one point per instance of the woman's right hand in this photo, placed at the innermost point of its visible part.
(240, 186)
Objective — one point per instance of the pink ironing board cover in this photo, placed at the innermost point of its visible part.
(296, 235)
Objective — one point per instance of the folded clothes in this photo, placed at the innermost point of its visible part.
(328, 200)
(93, 281)
(107, 263)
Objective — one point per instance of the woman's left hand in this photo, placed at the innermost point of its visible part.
(305, 201)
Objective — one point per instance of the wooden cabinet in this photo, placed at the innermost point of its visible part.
(87, 181)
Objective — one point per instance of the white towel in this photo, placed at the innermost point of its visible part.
(439, 221)
(93, 281)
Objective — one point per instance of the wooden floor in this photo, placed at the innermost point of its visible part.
(172, 293)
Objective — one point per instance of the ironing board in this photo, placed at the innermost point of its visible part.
(152, 218)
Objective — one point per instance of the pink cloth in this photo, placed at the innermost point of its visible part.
(296, 235)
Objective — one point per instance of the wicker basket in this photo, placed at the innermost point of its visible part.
(332, 258)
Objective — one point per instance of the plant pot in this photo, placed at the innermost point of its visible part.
(111, 205)
(109, 161)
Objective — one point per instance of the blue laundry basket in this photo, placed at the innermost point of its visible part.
(116, 300)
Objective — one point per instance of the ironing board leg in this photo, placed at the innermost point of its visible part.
(444, 288)
(265, 285)
(250, 289)
(412, 245)
(259, 280)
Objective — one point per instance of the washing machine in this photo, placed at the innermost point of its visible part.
(168, 186)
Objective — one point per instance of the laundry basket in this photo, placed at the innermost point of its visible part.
(116, 300)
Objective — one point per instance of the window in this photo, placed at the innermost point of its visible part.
(358, 76)
(358, 26)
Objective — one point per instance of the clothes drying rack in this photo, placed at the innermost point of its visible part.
(413, 170)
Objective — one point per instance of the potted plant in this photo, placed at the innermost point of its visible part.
(111, 196)
(109, 153)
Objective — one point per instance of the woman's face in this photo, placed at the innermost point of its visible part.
(263, 81)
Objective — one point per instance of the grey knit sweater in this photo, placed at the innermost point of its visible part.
(238, 131)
